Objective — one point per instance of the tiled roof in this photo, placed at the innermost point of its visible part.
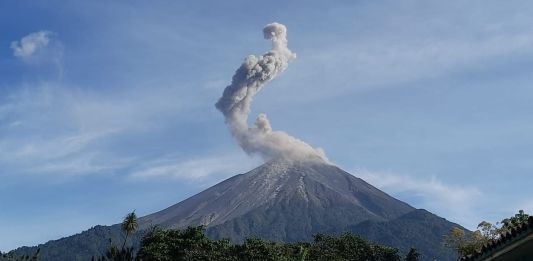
(505, 239)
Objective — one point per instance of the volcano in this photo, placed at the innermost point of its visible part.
(284, 200)
(287, 200)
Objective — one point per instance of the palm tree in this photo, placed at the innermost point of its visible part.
(129, 225)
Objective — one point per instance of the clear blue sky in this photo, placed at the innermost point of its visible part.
(109, 107)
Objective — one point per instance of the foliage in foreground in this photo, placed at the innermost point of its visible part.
(193, 244)
(128, 226)
(466, 244)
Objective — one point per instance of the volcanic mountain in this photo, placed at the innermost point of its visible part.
(285, 200)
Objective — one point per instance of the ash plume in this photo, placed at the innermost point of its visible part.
(236, 100)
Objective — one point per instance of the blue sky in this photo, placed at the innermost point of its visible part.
(109, 107)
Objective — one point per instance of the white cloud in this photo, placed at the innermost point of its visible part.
(49, 149)
(30, 44)
(62, 154)
(369, 64)
(37, 134)
(49, 128)
(196, 169)
(456, 203)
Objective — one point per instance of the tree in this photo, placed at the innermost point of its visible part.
(413, 255)
(517, 219)
(466, 244)
(258, 249)
(128, 226)
(192, 244)
(349, 247)
(463, 243)
(10, 256)
(187, 244)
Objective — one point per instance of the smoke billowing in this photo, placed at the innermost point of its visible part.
(236, 100)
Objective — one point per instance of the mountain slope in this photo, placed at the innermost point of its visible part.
(283, 201)
(317, 191)
(418, 228)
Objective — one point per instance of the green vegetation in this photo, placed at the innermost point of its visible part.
(79, 247)
(12, 257)
(413, 255)
(193, 244)
(466, 244)
(159, 243)
(129, 226)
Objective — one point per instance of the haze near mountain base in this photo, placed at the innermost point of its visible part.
(236, 101)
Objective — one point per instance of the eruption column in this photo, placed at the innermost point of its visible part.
(236, 100)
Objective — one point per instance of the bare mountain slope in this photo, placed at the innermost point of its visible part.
(315, 190)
